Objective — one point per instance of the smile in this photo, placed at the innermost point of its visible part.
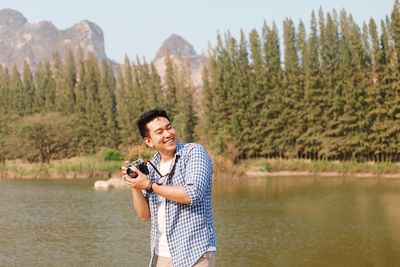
(170, 141)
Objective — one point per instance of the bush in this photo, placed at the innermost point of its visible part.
(41, 138)
(111, 154)
(140, 151)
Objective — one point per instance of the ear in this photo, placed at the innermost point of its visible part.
(148, 141)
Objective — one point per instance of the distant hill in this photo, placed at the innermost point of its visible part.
(22, 41)
(34, 42)
(182, 54)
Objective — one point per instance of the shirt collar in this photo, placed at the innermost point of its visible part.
(178, 152)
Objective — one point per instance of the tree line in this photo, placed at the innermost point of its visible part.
(78, 105)
(328, 92)
(332, 92)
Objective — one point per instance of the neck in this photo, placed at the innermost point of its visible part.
(167, 156)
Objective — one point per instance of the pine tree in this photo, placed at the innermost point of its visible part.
(108, 104)
(204, 126)
(222, 87)
(17, 93)
(170, 87)
(353, 123)
(314, 95)
(290, 118)
(332, 68)
(28, 89)
(270, 125)
(70, 82)
(379, 134)
(241, 122)
(124, 122)
(394, 102)
(135, 102)
(96, 125)
(45, 88)
(84, 142)
(257, 96)
(184, 121)
(395, 30)
(4, 91)
(58, 70)
(129, 105)
(155, 87)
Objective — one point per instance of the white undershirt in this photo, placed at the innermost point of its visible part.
(162, 244)
(162, 248)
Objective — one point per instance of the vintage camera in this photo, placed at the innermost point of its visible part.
(140, 164)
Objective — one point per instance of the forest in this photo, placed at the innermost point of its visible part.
(328, 91)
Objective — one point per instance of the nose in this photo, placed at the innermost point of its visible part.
(168, 132)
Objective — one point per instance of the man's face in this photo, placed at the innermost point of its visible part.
(161, 135)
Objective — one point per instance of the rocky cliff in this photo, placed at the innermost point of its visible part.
(34, 42)
(183, 56)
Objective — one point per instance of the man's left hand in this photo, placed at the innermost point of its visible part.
(140, 182)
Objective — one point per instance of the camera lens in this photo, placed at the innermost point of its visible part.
(131, 173)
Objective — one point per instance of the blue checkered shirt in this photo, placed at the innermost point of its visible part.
(189, 227)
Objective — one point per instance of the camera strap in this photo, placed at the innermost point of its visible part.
(161, 179)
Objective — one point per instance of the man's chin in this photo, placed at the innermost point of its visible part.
(172, 144)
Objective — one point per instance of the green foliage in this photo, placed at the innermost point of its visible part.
(76, 167)
(41, 138)
(108, 154)
(331, 92)
(335, 97)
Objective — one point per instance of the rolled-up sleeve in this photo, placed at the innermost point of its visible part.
(198, 174)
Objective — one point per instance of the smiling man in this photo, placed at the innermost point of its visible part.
(176, 196)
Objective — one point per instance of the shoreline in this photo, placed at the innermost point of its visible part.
(249, 174)
(256, 174)
(94, 167)
(57, 175)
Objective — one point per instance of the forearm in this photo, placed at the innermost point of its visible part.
(174, 193)
(140, 204)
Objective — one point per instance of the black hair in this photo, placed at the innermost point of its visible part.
(147, 117)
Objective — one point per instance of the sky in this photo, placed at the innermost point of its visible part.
(139, 27)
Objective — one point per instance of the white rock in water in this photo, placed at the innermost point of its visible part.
(101, 185)
(117, 183)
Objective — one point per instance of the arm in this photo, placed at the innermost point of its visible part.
(140, 203)
(198, 174)
(174, 193)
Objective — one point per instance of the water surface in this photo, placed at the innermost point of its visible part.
(282, 221)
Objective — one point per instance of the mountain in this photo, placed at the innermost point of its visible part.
(183, 56)
(34, 42)
(22, 41)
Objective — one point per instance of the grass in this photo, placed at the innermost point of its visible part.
(347, 167)
(77, 167)
(94, 166)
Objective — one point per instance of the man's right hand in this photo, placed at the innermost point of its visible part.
(124, 167)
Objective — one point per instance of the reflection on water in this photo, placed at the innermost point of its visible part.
(292, 221)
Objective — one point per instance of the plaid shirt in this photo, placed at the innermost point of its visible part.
(189, 227)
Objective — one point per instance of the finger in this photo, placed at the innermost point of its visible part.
(124, 167)
(136, 170)
(127, 180)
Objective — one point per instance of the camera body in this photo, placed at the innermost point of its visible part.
(139, 164)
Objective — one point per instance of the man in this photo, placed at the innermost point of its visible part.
(176, 196)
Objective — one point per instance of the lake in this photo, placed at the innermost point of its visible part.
(270, 221)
